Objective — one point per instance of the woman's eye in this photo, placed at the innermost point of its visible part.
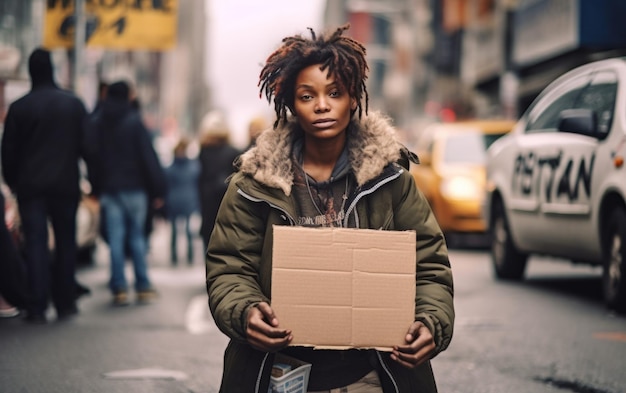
(335, 93)
(306, 97)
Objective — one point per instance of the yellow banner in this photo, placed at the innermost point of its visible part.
(113, 24)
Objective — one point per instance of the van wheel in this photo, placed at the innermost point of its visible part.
(508, 262)
(614, 268)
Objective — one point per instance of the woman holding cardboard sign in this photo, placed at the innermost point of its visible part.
(325, 163)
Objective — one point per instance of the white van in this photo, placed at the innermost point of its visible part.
(556, 185)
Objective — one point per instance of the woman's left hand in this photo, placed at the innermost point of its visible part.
(419, 347)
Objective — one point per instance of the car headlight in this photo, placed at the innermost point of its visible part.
(461, 187)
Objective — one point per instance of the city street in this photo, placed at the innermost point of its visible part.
(548, 334)
(514, 110)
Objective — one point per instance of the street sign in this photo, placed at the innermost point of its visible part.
(113, 24)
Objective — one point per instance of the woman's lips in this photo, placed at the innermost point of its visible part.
(324, 123)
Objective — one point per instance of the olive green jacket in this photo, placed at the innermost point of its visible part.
(239, 255)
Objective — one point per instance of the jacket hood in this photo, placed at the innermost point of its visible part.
(372, 145)
(114, 110)
(118, 91)
(40, 68)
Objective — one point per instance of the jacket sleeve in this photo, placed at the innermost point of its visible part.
(154, 172)
(434, 285)
(90, 154)
(10, 151)
(233, 261)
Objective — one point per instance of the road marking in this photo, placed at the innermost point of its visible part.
(147, 373)
(196, 317)
(612, 336)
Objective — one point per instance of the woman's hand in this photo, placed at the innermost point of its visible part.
(263, 332)
(419, 347)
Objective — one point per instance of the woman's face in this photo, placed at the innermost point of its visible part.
(323, 106)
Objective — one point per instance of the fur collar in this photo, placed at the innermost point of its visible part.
(372, 145)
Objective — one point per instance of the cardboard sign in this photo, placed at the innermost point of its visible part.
(339, 288)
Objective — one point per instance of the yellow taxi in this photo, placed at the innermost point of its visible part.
(451, 173)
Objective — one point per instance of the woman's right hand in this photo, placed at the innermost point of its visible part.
(262, 331)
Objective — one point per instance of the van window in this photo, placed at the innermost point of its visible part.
(544, 117)
(600, 97)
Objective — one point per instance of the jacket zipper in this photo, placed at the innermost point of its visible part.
(367, 192)
(292, 222)
(258, 378)
(382, 363)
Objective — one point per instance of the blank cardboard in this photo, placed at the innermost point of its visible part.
(339, 288)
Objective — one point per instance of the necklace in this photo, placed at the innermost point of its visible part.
(344, 197)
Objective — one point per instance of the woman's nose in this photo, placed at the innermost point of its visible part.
(322, 105)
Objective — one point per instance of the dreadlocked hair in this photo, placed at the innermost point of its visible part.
(344, 58)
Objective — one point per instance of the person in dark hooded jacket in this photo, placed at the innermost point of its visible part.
(126, 175)
(216, 159)
(41, 149)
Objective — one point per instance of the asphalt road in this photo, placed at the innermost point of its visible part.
(549, 334)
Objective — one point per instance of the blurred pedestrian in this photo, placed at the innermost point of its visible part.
(41, 149)
(255, 127)
(126, 176)
(154, 210)
(216, 165)
(182, 198)
(326, 162)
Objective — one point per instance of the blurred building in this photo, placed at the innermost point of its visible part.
(512, 49)
(397, 36)
(19, 34)
(439, 59)
(456, 59)
(171, 84)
